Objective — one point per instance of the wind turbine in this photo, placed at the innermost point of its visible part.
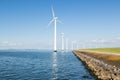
(62, 41)
(72, 45)
(55, 20)
(66, 44)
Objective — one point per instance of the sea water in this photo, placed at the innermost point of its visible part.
(41, 65)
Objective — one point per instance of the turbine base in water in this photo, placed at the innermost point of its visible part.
(55, 50)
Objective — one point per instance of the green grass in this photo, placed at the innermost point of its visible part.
(112, 50)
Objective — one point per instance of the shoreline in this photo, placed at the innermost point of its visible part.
(97, 64)
(86, 67)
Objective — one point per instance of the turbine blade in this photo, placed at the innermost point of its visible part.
(50, 22)
(59, 21)
(53, 12)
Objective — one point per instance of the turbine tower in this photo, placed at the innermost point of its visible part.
(72, 45)
(66, 44)
(55, 20)
(62, 41)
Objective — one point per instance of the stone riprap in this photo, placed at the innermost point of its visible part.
(99, 66)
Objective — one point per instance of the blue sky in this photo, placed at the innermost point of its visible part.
(24, 23)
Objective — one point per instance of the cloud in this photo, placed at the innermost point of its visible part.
(115, 40)
(99, 41)
(6, 43)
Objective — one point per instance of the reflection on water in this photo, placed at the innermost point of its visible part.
(55, 69)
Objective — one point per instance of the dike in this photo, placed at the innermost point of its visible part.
(99, 64)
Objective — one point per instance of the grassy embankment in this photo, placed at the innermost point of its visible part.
(110, 50)
(106, 50)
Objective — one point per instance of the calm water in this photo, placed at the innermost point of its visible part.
(41, 65)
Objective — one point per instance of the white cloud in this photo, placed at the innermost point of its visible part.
(6, 43)
(115, 40)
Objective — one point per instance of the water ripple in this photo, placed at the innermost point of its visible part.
(43, 65)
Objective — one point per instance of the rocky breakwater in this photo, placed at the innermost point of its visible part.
(103, 66)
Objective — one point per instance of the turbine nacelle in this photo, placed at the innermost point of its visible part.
(55, 18)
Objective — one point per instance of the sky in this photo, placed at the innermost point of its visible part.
(24, 23)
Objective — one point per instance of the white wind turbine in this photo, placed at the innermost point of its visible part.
(55, 20)
(66, 44)
(62, 41)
